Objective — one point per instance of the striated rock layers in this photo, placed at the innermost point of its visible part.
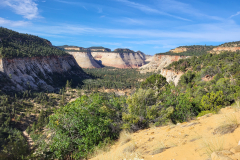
(85, 59)
(220, 49)
(119, 60)
(96, 57)
(39, 73)
(171, 76)
(159, 62)
(179, 50)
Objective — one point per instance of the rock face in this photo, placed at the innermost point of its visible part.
(220, 49)
(148, 58)
(171, 76)
(179, 50)
(85, 59)
(119, 60)
(96, 57)
(159, 62)
(39, 73)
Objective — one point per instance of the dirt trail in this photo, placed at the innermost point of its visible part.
(29, 139)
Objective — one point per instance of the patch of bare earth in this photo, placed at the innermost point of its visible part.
(207, 137)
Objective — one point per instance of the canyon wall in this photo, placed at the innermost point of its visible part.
(159, 62)
(119, 60)
(220, 49)
(85, 59)
(179, 50)
(171, 76)
(39, 73)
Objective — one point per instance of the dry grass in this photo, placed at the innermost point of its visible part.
(161, 148)
(213, 145)
(227, 126)
(125, 137)
(131, 148)
(236, 105)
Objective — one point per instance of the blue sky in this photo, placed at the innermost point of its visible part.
(152, 26)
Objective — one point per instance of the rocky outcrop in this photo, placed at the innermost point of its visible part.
(220, 49)
(119, 60)
(159, 62)
(96, 57)
(39, 73)
(85, 59)
(148, 58)
(171, 76)
(178, 50)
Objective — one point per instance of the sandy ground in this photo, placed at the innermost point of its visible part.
(194, 140)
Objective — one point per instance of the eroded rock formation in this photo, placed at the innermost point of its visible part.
(39, 73)
(85, 59)
(119, 60)
(179, 50)
(159, 62)
(220, 49)
(171, 76)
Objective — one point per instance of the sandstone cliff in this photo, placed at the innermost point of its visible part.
(171, 76)
(159, 62)
(220, 49)
(39, 73)
(148, 58)
(179, 50)
(85, 59)
(119, 60)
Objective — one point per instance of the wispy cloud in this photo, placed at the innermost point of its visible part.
(180, 7)
(146, 8)
(215, 32)
(104, 43)
(27, 8)
(10, 23)
(133, 21)
(238, 13)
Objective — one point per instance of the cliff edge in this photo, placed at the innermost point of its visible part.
(119, 60)
(40, 73)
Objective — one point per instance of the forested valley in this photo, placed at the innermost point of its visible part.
(76, 120)
(93, 119)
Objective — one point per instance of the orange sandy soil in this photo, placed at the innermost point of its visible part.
(193, 140)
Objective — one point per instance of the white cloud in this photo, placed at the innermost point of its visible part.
(176, 6)
(238, 13)
(145, 8)
(105, 43)
(5, 22)
(214, 32)
(27, 8)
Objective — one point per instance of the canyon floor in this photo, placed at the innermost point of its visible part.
(193, 140)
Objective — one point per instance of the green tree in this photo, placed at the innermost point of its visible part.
(212, 101)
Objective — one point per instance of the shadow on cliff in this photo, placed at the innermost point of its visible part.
(99, 62)
(57, 81)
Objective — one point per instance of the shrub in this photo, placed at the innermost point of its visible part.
(212, 101)
(155, 82)
(83, 124)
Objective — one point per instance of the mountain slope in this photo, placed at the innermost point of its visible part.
(196, 139)
(30, 62)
